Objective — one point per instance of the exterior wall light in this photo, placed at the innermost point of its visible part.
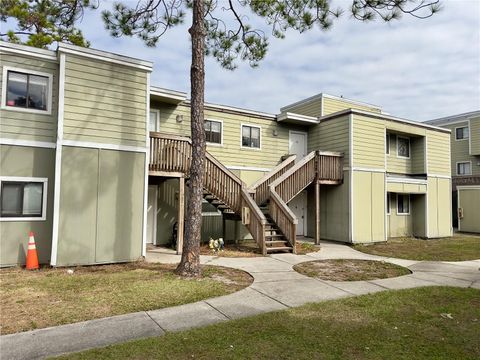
(179, 118)
(275, 132)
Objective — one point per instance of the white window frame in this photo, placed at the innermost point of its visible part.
(462, 127)
(409, 147)
(241, 137)
(157, 111)
(387, 143)
(221, 132)
(44, 199)
(409, 205)
(463, 162)
(3, 104)
(389, 203)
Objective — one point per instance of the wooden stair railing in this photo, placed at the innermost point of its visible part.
(172, 153)
(260, 189)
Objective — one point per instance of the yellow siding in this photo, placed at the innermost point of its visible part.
(399, 224)
(475, 138)
(468, 200)
(331, 135)
(438, 152)
(397, 164)
(231, 153)
(417, 148)
(331, 106)
(104, 102)
(439, 201)
(407, 188)
(368, 142)
(311, 108)
(368, 207)
(394, 126)
(25, 125)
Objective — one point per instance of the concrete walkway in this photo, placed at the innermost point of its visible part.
(276, 286)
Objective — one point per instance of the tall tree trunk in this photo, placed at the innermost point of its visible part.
(190, 263)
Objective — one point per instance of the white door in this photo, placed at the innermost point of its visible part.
(154, 120)
(299, 207)
(152, 214)
(297, 144)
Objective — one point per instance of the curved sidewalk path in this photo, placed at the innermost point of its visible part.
(276, 286)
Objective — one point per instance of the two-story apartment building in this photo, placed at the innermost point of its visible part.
(95, 160)
(465, 167)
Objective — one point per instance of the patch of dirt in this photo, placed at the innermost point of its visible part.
(350, 270)
(242, 249)
(304, 248)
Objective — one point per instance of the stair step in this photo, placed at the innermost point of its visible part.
(281, 248)
(271, 242)
(274, 236)
(209, 197)
(217, 202)
(223, 207)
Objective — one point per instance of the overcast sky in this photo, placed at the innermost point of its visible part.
(416, 69)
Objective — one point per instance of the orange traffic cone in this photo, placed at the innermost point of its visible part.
(32, 257)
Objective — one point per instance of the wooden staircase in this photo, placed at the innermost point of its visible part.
(273, 225)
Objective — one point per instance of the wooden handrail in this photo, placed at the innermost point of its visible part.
(257, 222)
(260, 188)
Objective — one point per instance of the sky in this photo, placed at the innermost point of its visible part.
(414, 69)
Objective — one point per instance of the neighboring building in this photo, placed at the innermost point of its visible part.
(80, 168)
(465, 165)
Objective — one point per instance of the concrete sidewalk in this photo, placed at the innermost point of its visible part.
(276, 286)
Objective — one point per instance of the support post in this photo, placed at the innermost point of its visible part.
(317, 212)
(181, 214)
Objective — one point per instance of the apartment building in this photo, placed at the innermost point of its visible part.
(465, 168)
(95, 161)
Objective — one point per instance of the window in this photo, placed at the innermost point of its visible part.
(23, 198)
(464, 168)
(403, 147)
(388, 204)
(26, 90)
(213, 131)
(250, 136)
(403, 204)
(387, 144)
(154, 120)
(462, 133)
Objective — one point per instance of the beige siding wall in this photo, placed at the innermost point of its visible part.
(460, 148)
(475, 137)
(27, 162)
(438, 152)
(439, 201)
(25, 125)
(399, 224)
(334, 211)
(104, 102)
(311, 108)
(331, 106)
(469, 200)
(331, 135)
(396, 164)
(368, 200)
(368, 142)
(230, 152)
(101, 206)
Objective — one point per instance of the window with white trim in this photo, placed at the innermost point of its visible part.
(23, 199)
(26, 90)
(250, 136)
(462, 133)
(213, 131)
(403, 204)
(403, 147)
(464, 168)
(154, 120)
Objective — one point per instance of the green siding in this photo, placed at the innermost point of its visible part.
(418, 205)
(26, 125)
(468, 200)
(439, 201)
(101, 206)
(396, 164)
(331, 135)
(475, 138)
(331, 106)
(399, 225)
(311, 108)
(368, 142)
(27, 162)
(231, 153)
(417, 149)
(104, 102)
(438, 152)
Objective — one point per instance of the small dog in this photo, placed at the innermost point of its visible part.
(216, 245)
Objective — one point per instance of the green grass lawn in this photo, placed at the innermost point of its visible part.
(350, 269)
(456, 248)
(424, 323)
(49, 297)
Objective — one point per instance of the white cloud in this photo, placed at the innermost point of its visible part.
(417, 69)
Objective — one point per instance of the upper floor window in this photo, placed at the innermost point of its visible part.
(251, 136)
(213, 131)
(23, 198)
(26, 90)
(403, 147)
(403, 204)
(462, 133)
(387, 144)
(464, 168)
(154, 120)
